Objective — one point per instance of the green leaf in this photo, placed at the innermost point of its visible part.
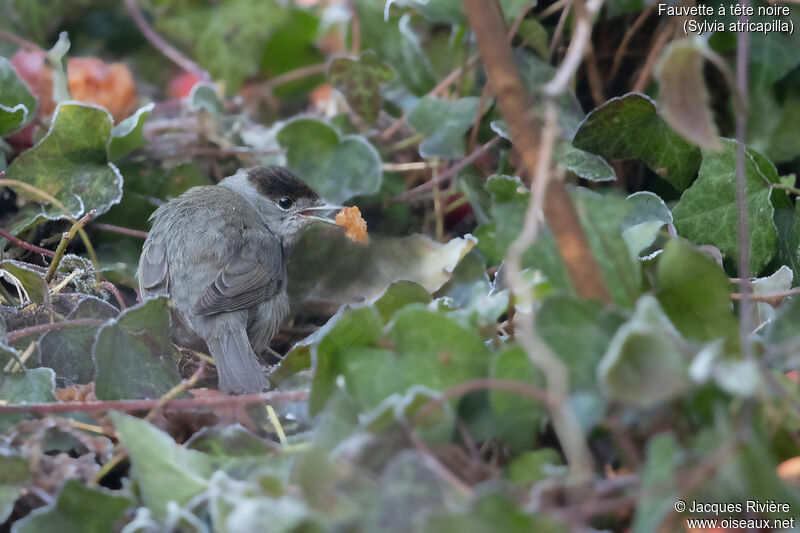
(134, 354)
(68, 351)
(70, 163)
(494, 511)
(773, 54)
(227, 38)
(517, 417)
(79, 509)
(530, 467)
(659, 491)
(204, 97)
(17, 104)
(346, 331)
(707, 211)
(579, 332)
(360, 82)
(683, 96)
(293, 46)
(163, 470)
(435, 351)
(646, 362)
(694, 292)
(337, 168)
(443, 123)
(30, 386)
(584, 164)
(628, 127)
(641, 225)
(23, 276)
(398, 295)
(602, 218)
(128, 135)
(14, 474)
(358, 272)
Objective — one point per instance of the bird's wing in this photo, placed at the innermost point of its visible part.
(154, 268)
(253, 274)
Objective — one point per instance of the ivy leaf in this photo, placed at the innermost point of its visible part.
(629, 127)
(641, 225)
(694, 292)
(360, 82)
(70, 163)
(435, 351)
(227, 38)
(163, 470)
(336, 167)
(659, 487)
(443, 122)
(683, 96)
(27, 279)
(78, 509)
(15, 472)
(68, 351)
(17, 104)
(30, 386)
(292, 46)
(134, 354)
(707, 211)
(358, 273)
(560, 317)
(645, 363)
(518, 418)
(773, 54)
(128, 135)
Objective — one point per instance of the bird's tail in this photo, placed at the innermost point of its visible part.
(237, 364)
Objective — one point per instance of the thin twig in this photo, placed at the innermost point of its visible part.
(65, 240)
(26, 245)
(562, 21)
(435, 465)
(480, 384)
(175, 55)
(450, 172)
(743, 235)
(626, 39)
(141, 405)
(122, 231)
(110, 287)
(355, 25)
(177, 389)
(661, 40)
(8, 36)
(294, 75)
(15, 335)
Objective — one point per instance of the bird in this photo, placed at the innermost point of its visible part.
(220, 253)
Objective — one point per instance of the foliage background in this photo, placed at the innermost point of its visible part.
(425, 386)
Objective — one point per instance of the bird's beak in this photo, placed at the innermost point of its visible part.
(309, 213)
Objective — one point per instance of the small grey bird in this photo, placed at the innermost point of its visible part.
(219, 252)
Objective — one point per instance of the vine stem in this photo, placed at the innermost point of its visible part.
(15, 335)
(26, 245)
(534, 142)
(223, 400)
(162, 45)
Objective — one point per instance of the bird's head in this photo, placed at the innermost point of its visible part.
(285, 203)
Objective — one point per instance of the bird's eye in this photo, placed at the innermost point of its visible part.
(285, 203)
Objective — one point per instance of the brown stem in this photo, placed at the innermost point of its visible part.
(123, 231)
(486, 22)
(15, 335)
(480, 384)
(110, 287)
(141, 405)
(296, 74)
(26, 245)
(172, 53)
(450, 172)
(177, 389)
(626, 39)
(8, 36)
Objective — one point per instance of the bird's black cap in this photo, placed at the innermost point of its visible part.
(277, 182)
